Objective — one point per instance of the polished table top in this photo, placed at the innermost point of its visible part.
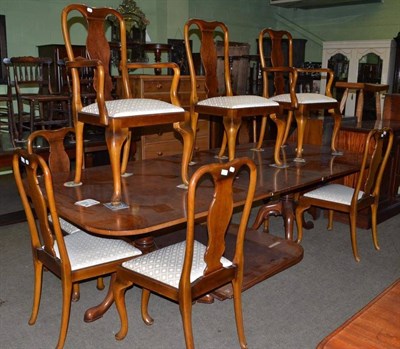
(155, 202)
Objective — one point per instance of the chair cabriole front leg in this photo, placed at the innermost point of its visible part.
(79, 152)
(186, 131)
(231, 125)
(115, 138)
(301, 121)
(337, 117)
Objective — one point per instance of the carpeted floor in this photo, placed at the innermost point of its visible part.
(292, 310)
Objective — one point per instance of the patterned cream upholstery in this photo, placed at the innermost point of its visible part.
(132, 107)
(334, 192)
(304, 98)
(85, 250)
(166, 264)
(66, 226)
(237, 102)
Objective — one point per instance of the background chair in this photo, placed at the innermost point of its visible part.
(73, 258)
(117, 115)
(197, 269)
(282, 88)
(338, 197)
(7, 117)
(222, 103)
(46, 109)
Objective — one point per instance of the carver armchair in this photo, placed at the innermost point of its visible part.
(221, 102)
(119, 115)
(282, 87)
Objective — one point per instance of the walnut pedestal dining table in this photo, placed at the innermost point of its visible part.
(156, 203)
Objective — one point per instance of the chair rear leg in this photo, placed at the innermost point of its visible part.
(148, 320)
(262, 132)
(100, 283)
(65, 313)
(223, 147)
(75, 292)
(185, 307)
(237, 301)
(374, 212)
(287, 128)
(119, 287)
(330, 220)
(125, 153)
(37, 291)
(353, 235)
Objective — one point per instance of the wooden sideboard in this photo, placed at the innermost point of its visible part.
(162, 140)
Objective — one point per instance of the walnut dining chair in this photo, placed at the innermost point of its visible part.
(222, 103)
(119, 115)
(282, 87)
(365, 194)
(59, 162)
(72, 258)
(187, 270)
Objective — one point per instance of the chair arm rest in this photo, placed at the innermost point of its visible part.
(161, 65)
(293, 74)
(99, 81)
(330, 76)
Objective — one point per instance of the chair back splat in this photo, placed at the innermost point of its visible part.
(190, 269)
(58, 160)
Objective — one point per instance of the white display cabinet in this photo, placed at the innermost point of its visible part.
(369, 61)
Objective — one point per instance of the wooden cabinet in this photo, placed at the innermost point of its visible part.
(162, 140)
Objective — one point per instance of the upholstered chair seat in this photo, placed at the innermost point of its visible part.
(304, 98)
(237, 102)
(132, 107)
(335, 193)
(85, 250)
(166, 264)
